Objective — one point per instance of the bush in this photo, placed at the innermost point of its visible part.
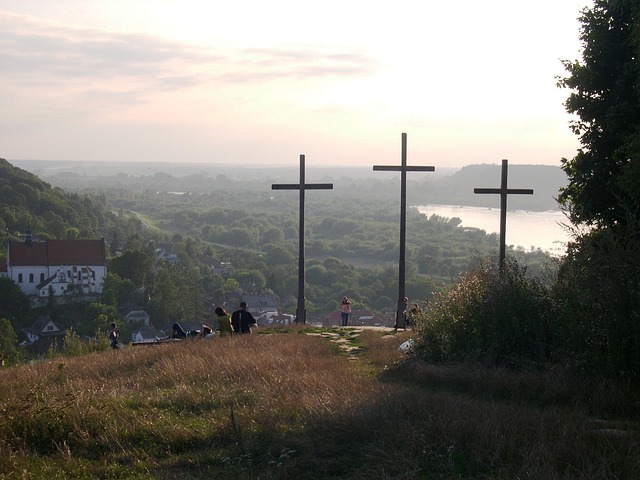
(9, 353)
(598, 323)
(75, 346)
(491, 316)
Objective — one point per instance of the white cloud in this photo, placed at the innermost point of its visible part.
(274, 79)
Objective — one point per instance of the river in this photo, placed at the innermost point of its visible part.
(543, 230)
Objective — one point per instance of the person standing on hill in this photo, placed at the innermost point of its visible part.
(414, 312)
(242, 320)
(224, 321)
(404, 313)
(345, 311)
(114, 335)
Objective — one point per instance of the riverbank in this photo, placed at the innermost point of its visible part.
(526, 229)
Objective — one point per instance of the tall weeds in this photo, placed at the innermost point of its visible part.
(295, 406)
(495, 316)
(597, 293)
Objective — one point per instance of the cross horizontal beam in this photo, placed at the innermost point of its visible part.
(406, 168)
(516, 191)
(306, 186)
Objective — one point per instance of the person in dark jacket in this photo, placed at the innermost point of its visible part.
(114, 336)
(178, 331)
(242, 320)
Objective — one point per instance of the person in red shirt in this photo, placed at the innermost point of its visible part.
(345, 311)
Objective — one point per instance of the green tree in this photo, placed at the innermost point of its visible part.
(598, 324)
(596, 288)
(134, 265)
(272, 235)
(279, 256)
(177, 294)
(13, 303)
(604, 176)
(116, 290)
(72, 233)
(251, 280)
(9, 352)
(165, 305)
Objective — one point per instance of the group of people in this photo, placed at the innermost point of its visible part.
(203, 332)
(410, 314)
(239, 322)
(242, 321)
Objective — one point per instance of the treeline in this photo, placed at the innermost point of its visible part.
(28, 203)
(362, 230)
(444, 186)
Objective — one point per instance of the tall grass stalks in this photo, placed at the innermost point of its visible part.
(296, 406)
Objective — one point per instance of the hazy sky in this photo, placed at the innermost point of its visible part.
(257, 81)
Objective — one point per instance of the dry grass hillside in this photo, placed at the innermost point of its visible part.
(301, 404)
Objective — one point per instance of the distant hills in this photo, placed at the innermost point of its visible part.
(446, 186)
(27, 202)
(457, 189)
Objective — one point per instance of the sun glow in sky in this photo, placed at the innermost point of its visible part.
(256, 82)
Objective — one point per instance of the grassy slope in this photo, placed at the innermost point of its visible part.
(297, 406)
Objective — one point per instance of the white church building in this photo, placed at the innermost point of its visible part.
(57, 266)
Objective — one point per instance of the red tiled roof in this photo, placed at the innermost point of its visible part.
(58, 252)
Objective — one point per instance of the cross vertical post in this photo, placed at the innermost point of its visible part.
(301, 312)
(503, 191)
(401, 321)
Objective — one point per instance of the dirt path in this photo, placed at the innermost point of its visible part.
(347, 338)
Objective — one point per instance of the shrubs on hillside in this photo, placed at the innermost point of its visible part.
(489, 316)
(598, 295)
(586, 319)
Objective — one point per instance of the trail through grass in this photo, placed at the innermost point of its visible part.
(299, 403)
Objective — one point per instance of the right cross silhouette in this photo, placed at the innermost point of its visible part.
(503, 191)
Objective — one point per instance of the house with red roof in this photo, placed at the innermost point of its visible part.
(57, 266)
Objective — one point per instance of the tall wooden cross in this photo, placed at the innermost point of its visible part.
(503, 191)
(301, 312)
(401, 321)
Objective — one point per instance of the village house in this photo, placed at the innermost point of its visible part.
(147, 335)
(224, 269)
(57, 267)
(259, 305)
(163, 256)
(132, 313)
(42, 334)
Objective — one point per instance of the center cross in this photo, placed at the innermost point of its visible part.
(301, 313)
(401, 321)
